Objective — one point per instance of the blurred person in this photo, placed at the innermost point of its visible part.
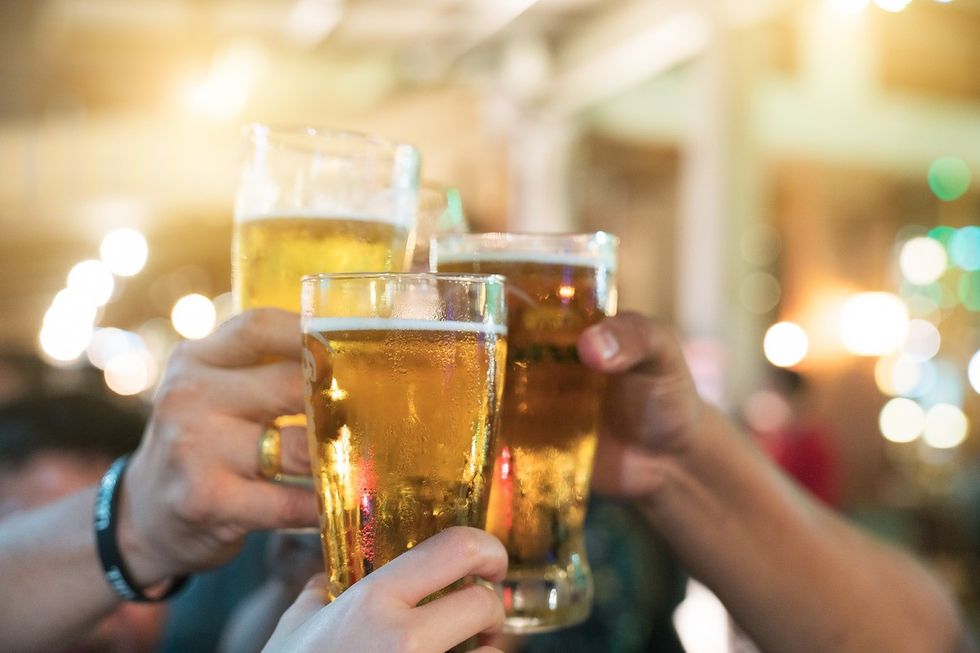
(794, 435)
(54, 445)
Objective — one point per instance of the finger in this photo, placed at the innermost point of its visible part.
(440, 561)
(250, 338)
(234, 443)
(259, 393)
(630, 341)
(458, 616)
(310, 601)
(260, 505)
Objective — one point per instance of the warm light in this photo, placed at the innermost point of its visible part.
(124, 251)
(566, 292)
(310, 21)
(65, 341)
(923, 340)
(785, 344)
(873, 323)
(899, 375)
(901, 420)
(336, 393)
(69, 306)
(949, 178)
(110, 342)
(893, 6)
(130, 372)
(964, 248)
(848, 6)
(973, 372)
(223, 93)
(92, 280)
(193, 316)
(946, 426)
(923, 260)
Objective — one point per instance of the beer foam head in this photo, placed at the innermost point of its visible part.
(314, 325)
(322, 214)
(516, 256)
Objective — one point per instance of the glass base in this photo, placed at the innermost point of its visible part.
(538, 601)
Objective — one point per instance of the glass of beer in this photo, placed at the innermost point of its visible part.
(317, 200)
(404, 376)
(557, 285)
(440, 212)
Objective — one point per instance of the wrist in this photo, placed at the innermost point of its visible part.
(127, 559)
(678, 469)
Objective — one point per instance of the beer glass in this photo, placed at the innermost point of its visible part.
(404, 378)
(557, 285)
(440, 212)
(316, 200)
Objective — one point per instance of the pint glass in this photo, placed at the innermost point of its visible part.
(404, 378)
(314, 200)
(557, 285)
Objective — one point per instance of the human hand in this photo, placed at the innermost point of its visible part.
(651, 409)
(380, 613)
(192, 490)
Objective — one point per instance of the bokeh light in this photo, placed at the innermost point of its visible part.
(901, 420)
(93, 280)
(923, 340)
(760, 244)
(945, 426)
(65, 341)
(124, 251)
(130, 372)
(873, 323)
(949, 178)
(193, 316)
(759, 292)
(973, 372)
(849, 6)
(70, 306)
(968, 290)
(899, 375)
(107, 343)
(923, 260)
(964, 248)
(785, 344)
(893, 6)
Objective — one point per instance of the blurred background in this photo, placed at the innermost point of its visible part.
(795, 182)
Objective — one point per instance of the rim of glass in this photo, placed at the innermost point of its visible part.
(395, 276)
(583, 238)
(266, 130)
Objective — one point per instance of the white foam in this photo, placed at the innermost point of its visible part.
(314, 325)
(511, 256)
(321, 214)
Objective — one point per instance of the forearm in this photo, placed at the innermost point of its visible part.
(53, 588)
(795, 576)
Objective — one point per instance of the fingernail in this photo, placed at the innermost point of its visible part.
(607, 343)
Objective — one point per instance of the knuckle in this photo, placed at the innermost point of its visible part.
(177, 392)
(466, 542)
(486, 602)
(193, 501)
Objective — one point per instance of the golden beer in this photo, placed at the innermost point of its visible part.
(401, 415)
(548, 431)
(272, 253)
